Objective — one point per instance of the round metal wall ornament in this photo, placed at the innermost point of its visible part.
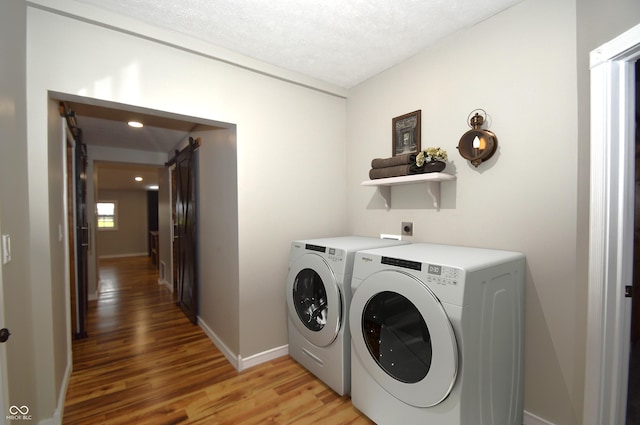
(477, 145)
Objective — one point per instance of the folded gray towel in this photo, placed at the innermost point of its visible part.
(407, 158)
(396, 171)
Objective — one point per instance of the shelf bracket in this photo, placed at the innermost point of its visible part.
(433, 189)
(385, 192)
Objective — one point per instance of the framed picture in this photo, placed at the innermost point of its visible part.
(406, 133)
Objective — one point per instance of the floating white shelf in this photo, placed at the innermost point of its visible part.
(432, 179)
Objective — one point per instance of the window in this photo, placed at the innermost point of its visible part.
(107, 215)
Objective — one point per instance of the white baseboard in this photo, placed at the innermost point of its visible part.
(531, 419)
(236, 360)
(166, 283)
(263, 357)
(58, 414)
(233, 358)
(54, 420)
(94, 296)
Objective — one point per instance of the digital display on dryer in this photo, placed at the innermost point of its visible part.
(434, 269)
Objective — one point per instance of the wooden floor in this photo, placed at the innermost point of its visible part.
(145, 363)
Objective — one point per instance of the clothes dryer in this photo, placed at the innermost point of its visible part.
(318, 293)
(437, 335)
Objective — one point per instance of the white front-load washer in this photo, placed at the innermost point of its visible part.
(318, 295)
(437, 335)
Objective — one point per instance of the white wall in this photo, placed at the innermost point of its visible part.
(218, 262)
(520, 66)
(290, 142)
(291, 174)
(14, 205)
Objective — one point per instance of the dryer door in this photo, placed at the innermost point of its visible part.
(314, 300)
(403, 338)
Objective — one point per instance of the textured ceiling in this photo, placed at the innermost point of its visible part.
(343, 42)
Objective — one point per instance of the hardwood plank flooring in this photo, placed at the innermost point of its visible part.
(145, 363)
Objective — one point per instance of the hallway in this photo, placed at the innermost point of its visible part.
(145, 363)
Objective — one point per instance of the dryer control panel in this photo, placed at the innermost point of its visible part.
(333, 254)
(442, 275)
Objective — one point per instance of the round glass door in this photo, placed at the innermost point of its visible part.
(402, 337)
(397, 337)
(310, 299)
(314, 300)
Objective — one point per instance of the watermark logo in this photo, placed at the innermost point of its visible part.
(19, 413)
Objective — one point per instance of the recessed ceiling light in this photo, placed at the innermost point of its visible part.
(138, 179)
(136, 124)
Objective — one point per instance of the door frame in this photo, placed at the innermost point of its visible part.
(612, 206)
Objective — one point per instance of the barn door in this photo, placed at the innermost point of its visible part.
(77, 160)
(186, 245)
(82, 239)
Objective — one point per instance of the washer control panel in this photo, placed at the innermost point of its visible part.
(442, 275)
(335, 255)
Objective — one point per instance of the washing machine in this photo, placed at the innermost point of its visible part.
(437, 335)
(318, 295)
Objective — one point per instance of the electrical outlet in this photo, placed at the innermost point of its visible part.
(407, 228)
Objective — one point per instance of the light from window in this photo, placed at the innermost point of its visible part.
(106, 212)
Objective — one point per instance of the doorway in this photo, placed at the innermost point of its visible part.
(109, 139)
(611, 242)
(633, 388)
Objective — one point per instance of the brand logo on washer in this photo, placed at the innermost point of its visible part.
(367, 259)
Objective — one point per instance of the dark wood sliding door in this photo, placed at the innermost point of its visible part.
(77, 160)
(186, 228)
(82, 238)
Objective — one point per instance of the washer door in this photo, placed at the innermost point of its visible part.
(403, 338)
(314, 300)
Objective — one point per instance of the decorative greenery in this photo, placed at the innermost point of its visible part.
(430, 154)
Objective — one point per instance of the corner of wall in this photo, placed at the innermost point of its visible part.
(233, 358)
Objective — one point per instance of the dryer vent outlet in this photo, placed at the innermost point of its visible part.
(407, 228)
